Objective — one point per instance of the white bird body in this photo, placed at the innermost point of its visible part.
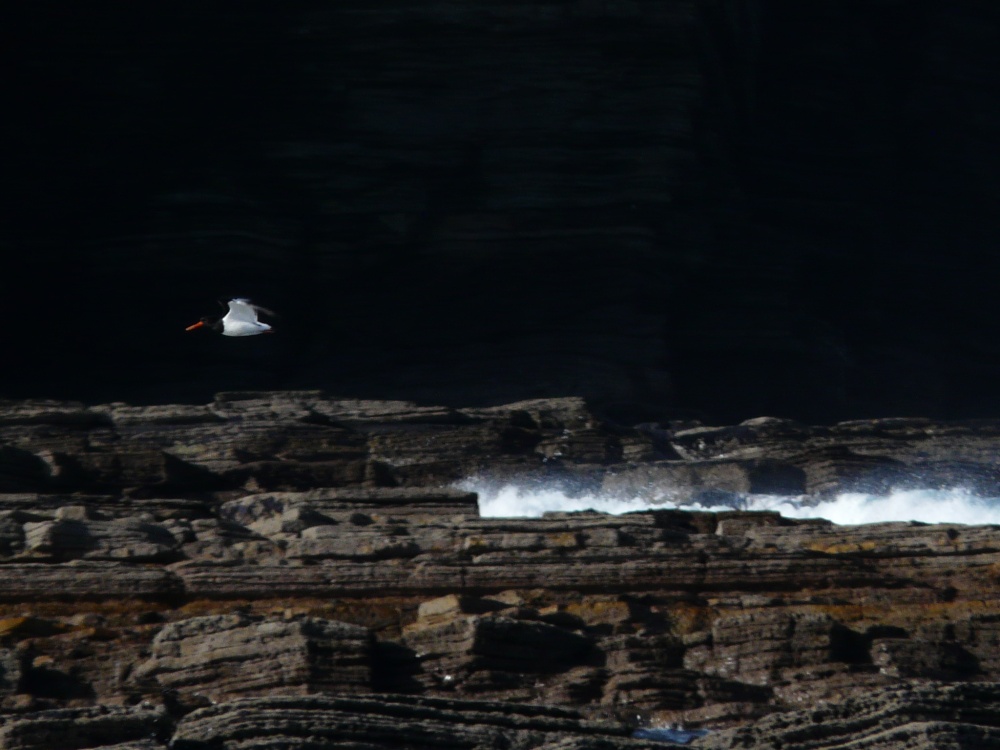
(241, 320)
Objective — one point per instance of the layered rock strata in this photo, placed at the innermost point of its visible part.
(274, 569)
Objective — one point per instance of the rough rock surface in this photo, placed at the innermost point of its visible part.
(929, 715)
(286, 568)
(214, 657)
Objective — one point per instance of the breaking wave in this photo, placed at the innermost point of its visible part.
(848, 508)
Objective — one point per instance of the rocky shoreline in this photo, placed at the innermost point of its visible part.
(289, 569)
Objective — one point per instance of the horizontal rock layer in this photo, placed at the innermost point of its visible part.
(185, 571)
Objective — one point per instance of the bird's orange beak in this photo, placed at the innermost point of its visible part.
(199, 324)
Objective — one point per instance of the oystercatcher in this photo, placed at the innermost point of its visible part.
(241, 320)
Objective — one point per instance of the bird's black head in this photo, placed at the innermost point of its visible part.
(214, 324)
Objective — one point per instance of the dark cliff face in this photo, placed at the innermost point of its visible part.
(711, 209)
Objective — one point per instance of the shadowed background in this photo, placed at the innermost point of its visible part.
(677, 209)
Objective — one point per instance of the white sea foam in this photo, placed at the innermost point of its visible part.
(928, 506)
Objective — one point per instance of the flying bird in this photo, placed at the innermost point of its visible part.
(241, 320)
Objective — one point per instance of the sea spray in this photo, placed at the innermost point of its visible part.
(927, 506)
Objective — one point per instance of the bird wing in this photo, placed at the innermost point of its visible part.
(264, 310)
(242, 310)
